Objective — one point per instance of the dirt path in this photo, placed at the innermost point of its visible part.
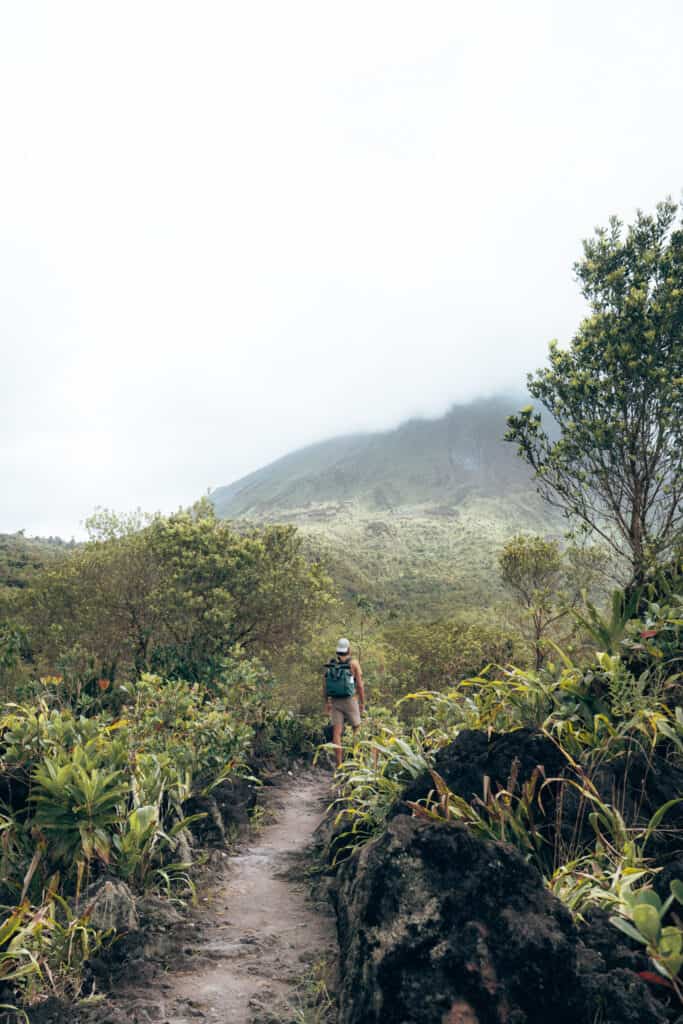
(261, 936)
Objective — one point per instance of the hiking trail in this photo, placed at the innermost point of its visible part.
(259, 935)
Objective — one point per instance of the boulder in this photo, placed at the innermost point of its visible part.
(235, 798)
(637, 782)
(110, 904)
(157, 913)
(225, 808)
(502, 757)
(437, 926)
(208, 830)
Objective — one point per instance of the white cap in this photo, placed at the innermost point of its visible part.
(343, 645)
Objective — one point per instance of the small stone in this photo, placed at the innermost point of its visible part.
(111, 906)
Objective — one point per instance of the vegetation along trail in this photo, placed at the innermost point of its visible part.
(263, 938)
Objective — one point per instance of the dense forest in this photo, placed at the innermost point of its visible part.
(516, 783)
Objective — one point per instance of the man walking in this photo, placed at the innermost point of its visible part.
(343, 680)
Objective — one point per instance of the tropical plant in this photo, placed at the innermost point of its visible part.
(504, 816)
(609, 633)
(370, 781)
(592, 880)
(616, 395)
(641, 915)
(16, 960)
(77, 805)
(145, 851)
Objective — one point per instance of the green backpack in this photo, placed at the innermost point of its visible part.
(339, 681)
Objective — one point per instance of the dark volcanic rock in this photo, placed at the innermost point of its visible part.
(235, 798)
(437, 926)
(637, 782)
(474, 754)
(209, 830)
(225, 808)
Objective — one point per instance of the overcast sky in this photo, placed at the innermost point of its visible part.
(230, 229)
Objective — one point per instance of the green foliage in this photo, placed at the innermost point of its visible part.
(16, 961)
(609, 632)
(145, 850)
(589, 881)
(77, 803)
(595, 712)
(513, 698)
(504, 816)
(195, 731)
(616, 395)
(108, 790)
(531, 567)
(370, 781)
(172, 594)
(547, 584)
(437, 654)
(29, 733)
(641, 917)
(653, 643)
(284, 735)
(21, 558)
(44, 949)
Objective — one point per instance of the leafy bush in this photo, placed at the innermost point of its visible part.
(641, 916)
(370, 781)
(77, 804)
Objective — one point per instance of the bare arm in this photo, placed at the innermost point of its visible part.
(358, 676)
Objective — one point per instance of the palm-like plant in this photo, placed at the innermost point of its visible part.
(609, 632)
(76, 805)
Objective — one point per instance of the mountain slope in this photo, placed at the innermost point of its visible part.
(422, 461)
(413, 517)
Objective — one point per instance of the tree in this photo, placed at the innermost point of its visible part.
(531, 567)
(221, 588)
(434, 655)
(548, 583)
(616, 395)
(172, 594)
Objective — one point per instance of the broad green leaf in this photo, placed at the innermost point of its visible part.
(627, 928)
(646, 920)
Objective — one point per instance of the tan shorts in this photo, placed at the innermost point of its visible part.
(345, 709)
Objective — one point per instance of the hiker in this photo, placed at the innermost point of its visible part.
(343, 679)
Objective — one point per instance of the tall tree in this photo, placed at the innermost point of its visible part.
(173, 594)
(547, 584)
(616, 394)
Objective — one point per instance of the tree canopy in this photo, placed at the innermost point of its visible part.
(173, 594)
(616, 394)
(547, 583)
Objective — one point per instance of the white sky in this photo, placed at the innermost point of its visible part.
(229, 229)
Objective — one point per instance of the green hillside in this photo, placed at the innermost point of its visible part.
(413, 517)
(438, 461)
(22, 557)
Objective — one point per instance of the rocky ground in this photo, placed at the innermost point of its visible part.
(252, 952)
(434, 925)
